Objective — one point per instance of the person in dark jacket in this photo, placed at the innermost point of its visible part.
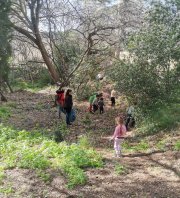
(68, 103)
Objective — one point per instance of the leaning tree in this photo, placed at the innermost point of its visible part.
(5, 48)
(49, 25)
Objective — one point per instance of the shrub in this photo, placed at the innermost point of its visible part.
(32, 150)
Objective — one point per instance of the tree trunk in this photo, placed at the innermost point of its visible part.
(38, 41)
(9, 86)
(54, 74)
(3, 98)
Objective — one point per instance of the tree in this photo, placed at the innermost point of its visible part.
(151, 72)
(45, 23)
(5, 48)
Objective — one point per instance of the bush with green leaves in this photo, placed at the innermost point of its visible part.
(152, 70)
(160, 116)
(25, 149)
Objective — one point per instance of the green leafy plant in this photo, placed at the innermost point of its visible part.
(84, 142)
(2, 174)
(32, 150)
(177, 146)
(87, 120)
(161, 144)
(120, 169)
(6, 190)
(141, 146)
(4, 112)
(44, 176)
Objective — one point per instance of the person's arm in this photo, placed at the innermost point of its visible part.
(71, 101)
(94, 101)
(115, 133)
(123, 130)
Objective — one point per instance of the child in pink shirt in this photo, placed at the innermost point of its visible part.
(119, 135)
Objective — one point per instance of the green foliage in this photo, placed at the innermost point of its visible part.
(160, 117)
(25, 149)
(161, 144)
(11, 104)
(4, 112)
(177, 146)
(151, 71)
(120, 169)
(6, 190)
(87, 89)
(44, 176)
(2, 174)
(24, 85)
(141, 146)
(32, 158)
(87, 120)
(61, 131)
(84, 142)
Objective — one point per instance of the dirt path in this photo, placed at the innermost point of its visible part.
(134, 175)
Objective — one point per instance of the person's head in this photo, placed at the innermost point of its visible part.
(119, 120)
(134, 103)
(101, 94)
(68, 92)
(97, 95)
(59, 91)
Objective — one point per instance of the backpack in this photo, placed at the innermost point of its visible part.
(58, 99)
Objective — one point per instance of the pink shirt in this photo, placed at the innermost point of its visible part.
(120, 131)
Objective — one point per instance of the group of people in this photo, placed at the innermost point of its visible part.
(96, 102)
(64, 102)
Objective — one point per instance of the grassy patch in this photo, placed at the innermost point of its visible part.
(6, 190)
(87, 120)
(177, 146)
(161, 117)
(46, 177)
(5, 112)
(161, 144)
(11, 104)
(2, 174)
(141, 146)
(25, 149)
(120, 169)
(33, 87)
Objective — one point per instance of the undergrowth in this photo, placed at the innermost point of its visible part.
(25, 149)
(5, 112)
(141, 146)
(161, 117)
(120, 169)
(177, 146)
(33, 87)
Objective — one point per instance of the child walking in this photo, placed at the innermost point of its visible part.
(119, 135)
(101, 105)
